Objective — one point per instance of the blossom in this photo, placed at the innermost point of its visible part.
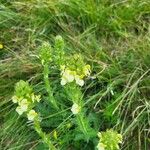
(32, 115)
(35, 98)
(109, 139)
(101, 146)
(24, 105)
(79, 80)
(75, 109)
(15, 99)
(67, 76)
(76, 75)
(19, 110)
(87, 70)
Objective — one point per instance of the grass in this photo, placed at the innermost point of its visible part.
(114, 38)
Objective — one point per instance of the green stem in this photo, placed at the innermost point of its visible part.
(44, 137)
(75, 95)
(48, 87)
(82, 125)
(82, 121)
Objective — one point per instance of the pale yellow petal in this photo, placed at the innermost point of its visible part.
(19, 110)
(15, 99)
(32, 115)
(87, 70)
(63, 81)
(79, 81)
(24, 104)
(101, 146)
(70, 78)
(75, 109)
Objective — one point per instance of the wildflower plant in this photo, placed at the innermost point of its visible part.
(58, 52)
(25, 98)
(45, 54)
(109, 140)
(26, 101)
(73, 70)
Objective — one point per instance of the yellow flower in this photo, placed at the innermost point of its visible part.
(24, 105)
(32, 115)
(101, 146)
(75, 109)
(19, 110)
(35, 98)
(68, 76)
(87, 70)
(78, 80)
(99, 135)
(15, 99)
(1, 46)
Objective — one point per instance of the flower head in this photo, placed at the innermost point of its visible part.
(109, 139)
(15, 99)
(67, 76)
(74, 73)
(24, 105)
(35, 98)
(87, 70)
(45, 53)
(75, 109)
(32, 115)
(19, 110)
(79, 80)
(101, 146)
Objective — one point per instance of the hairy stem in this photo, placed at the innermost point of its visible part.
(82, 125)
(45, 138)
(48, 87)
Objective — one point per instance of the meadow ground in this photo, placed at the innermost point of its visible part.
(114, 38)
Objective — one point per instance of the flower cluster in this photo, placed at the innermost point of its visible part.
(45, 53)
(109, 140)
(25, 99)
(58, 51)
(69, 75)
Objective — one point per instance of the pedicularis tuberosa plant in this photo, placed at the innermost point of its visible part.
(73, 70)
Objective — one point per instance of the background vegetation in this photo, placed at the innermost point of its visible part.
(114, 38)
